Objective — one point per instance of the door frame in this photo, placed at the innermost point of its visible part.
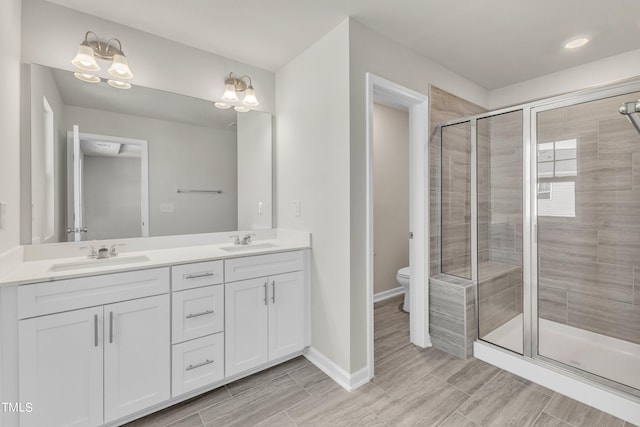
(144, 173)
(380, 89)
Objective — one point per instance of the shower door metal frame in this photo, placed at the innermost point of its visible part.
(530, 220)
(533, 338)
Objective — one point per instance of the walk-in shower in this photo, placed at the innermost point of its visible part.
(540, 207)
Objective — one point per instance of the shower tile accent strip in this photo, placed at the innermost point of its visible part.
(452, 314)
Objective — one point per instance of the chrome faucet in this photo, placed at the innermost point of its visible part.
(246, 239)
(113, 252)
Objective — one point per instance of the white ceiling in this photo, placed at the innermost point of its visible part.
(493, 43)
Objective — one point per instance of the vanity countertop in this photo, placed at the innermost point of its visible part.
(41, 270)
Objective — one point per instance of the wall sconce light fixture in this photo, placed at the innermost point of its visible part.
(233, 85)
(85, 60)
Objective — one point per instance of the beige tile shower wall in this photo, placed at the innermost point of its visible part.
(445, 106)
(499, 220)
(589, 264)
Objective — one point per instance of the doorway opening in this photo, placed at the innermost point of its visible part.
(107, 187)
(390, 94)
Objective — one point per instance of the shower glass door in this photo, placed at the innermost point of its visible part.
(500, 221)
(587, 204)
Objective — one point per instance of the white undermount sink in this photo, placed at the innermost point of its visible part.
(91, 263)
(249, 247)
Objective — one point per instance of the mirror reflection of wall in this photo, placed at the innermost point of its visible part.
(191, 146)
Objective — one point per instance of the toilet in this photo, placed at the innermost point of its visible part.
(404, 278)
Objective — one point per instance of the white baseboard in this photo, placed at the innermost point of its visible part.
(381, 296)
(344, 379)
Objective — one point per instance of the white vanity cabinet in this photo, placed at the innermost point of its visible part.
(89, 366)
(105, 349)
(265, 314)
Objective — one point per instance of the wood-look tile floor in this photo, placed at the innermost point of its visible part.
(412, 387)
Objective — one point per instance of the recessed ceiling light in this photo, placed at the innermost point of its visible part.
(576, 42)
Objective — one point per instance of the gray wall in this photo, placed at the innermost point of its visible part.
(254, 170)
(157, 62)
(180, 156)
(112, 197)
(10, 122)
(391, 195)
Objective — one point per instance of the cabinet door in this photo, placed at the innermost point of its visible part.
(136, 355)
(245, 325)
(61, 369)
(286, 314)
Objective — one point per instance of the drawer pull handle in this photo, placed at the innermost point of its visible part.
(191, 316)
(198, 365)
(198, 276)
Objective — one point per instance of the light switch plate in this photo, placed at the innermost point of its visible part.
(296, 208)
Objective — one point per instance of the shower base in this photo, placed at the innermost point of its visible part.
(601, 355)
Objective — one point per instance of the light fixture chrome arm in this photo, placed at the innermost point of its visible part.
(114, 51)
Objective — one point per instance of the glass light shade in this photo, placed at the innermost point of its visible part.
(250, 97)
(85, 59)
(230, 94)
(118, 84)
(89, 78)
(222, 105)
(120, 67)
(241, 109)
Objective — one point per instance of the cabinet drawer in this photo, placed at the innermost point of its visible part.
(197, 312)
(189, 276)
(262, 265)
(64, 295)
(197, 363)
